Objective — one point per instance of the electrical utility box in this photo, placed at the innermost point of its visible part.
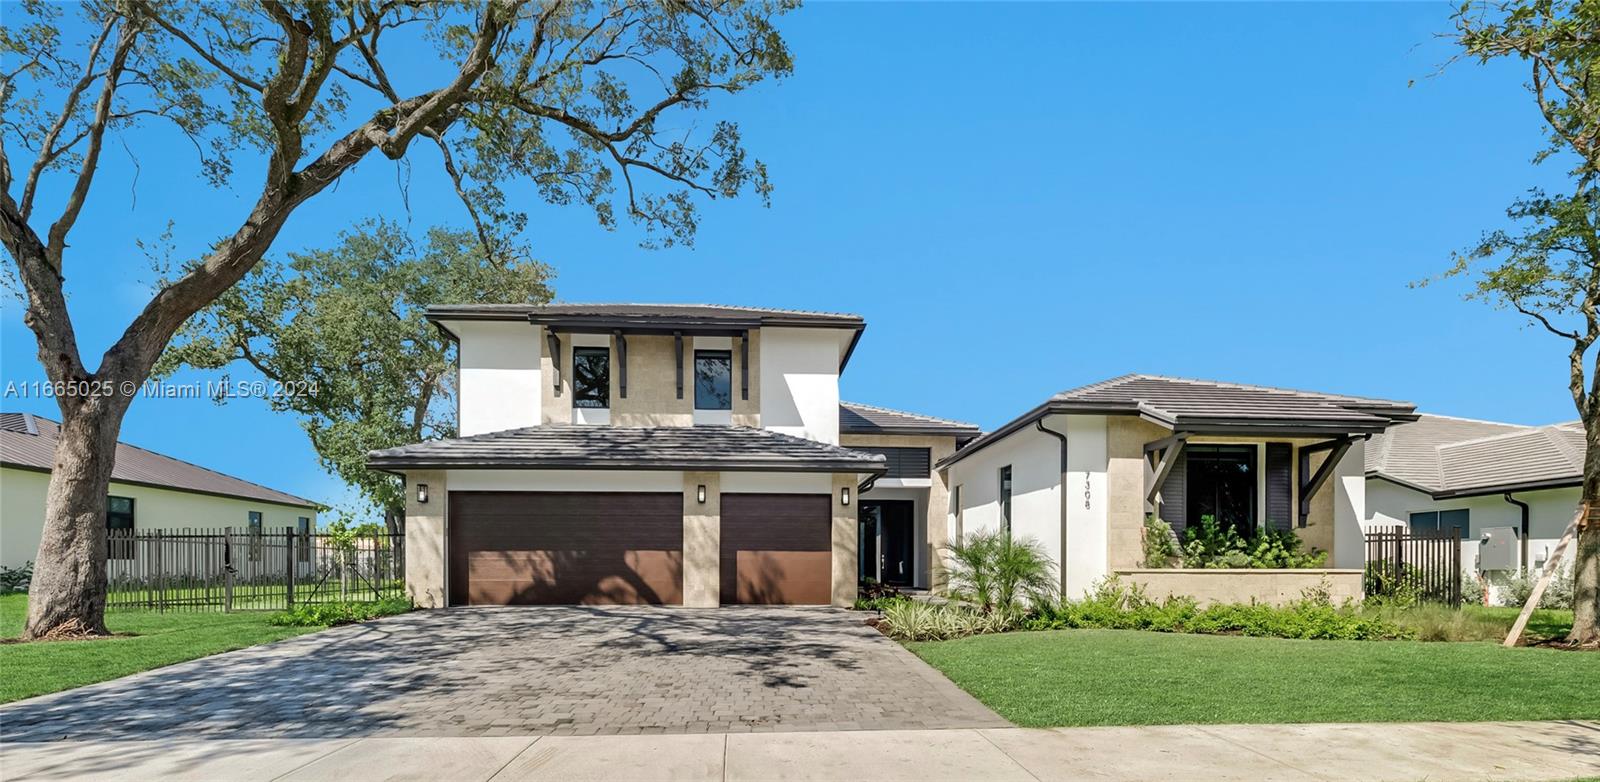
(1499, 549)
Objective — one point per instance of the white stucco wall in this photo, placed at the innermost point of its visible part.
(800, 382)
(22, 495)
(1033, 460)
(1549, 512)
(499, 375)
(1349, 508)
(1086, 552)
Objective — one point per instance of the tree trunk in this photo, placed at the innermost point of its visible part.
(1586, 551)
(67, 596)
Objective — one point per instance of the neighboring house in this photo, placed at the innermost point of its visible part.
(148, 491)
(1476, 477)
(671, 454)
(1080, 473)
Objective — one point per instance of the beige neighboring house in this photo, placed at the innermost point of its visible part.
(1483, 478)
(148, 491)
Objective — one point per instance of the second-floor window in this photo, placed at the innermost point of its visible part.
(713, 380)
(591, 377)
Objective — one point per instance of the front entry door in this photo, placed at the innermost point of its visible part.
(888, 541)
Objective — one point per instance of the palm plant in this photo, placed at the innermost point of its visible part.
(998, 571)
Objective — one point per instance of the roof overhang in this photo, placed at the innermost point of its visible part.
(1235, 426)
(667, 325)
(398, 466)
(1568, 482)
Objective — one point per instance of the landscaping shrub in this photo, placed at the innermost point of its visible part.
(910, 620)
(1112, 606)
(1559, 593)
(1160, 542)
(1212, 545)
(318, 614)
(15, 579)
(999, 573)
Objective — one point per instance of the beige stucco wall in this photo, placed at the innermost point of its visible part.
(652, 382)
(936, 505)
(844, 541)
(702, 540)
(1275, 587)
(22, 497)
(425, 540)
(1126, 472)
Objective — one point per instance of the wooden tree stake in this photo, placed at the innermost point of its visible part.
(1550, 569)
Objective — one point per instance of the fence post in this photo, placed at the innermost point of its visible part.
(288, 560)
(227, 570)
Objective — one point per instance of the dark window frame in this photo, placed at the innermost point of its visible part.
(121, 547)
(724, 356)
(1438, 524)
(598, 396)
(1197, 476)
(256, 520)
(1007, 479)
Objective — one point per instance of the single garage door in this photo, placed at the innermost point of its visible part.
(565, 548)
(777, 549)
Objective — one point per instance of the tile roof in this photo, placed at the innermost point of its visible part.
(577, 446)
(29, 441)
(1176, 400)
(1187, 404)
(1455, 456)
(650, 312)
(856, 418)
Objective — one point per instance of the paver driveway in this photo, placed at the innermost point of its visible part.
(521, 671)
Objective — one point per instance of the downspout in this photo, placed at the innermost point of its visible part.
(1524, 506)
(1062, 568)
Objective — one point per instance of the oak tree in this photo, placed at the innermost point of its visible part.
(1546, 266)
(584, 102)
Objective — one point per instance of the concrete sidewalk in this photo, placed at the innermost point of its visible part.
(1409, 751)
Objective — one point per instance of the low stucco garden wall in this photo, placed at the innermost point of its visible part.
(1275, 587)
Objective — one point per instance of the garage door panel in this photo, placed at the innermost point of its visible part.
(777, 549)
(566, 548)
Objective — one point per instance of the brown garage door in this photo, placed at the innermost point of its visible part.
(777, 549)
(565, 548)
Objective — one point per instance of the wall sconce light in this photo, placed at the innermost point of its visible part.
(422, 493)
(844, 495)
(700, 494)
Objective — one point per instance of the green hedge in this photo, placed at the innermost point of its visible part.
(1114, 607)
(329, 614)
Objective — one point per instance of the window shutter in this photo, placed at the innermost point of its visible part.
(1280, 481)
(1174, 495)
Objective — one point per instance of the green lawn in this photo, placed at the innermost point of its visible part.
(33, 669)
(1121, 677)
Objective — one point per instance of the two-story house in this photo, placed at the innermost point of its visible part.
(666, 454)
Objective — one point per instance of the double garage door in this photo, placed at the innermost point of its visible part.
(591, 548)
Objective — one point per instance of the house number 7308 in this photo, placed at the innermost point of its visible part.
(1086, 491)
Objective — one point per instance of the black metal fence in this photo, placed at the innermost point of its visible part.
(237, 569)
(1425, 565)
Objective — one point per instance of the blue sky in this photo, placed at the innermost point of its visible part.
(1019, 199)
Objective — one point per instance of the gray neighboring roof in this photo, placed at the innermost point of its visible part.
(28, 442)
(577, 446)
(1186, 404)
(647, 313)
(1455, 457)
(856, 418)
